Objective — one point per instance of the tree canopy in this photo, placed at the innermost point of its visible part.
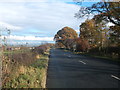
(64, 34)
(109, 11)
(95, 33)
(115, 34)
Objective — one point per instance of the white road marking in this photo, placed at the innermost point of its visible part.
(115, 77)
(82, 62)
(69, 56)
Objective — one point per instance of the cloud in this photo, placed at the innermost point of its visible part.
(14, 37)
(36, 0)
(109, 24)
(42, 16)
(38, 18)
(4, 25)
(77, 31)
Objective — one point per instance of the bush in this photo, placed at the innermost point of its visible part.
(42, 48)
(82, 45)
(11, 61)
(18, 62)
(107, 51)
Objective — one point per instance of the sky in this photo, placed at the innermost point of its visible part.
(37, 21)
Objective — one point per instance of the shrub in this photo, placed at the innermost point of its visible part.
(42, 48)
(82, 45)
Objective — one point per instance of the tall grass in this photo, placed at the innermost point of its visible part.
(24, 68)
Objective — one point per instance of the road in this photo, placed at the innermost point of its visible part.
(67, 70)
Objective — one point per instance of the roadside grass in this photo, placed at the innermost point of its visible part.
(28, 76)
(15, 51)
(98, 56)
(41, 63)
(107, 57)
(104, 57)
(66, 50)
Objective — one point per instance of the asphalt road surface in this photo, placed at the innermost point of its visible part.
(67, 70)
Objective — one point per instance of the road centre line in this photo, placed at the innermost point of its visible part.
(69, 56)
(82, 62)
(115, 77)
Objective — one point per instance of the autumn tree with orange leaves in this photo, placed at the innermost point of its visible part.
(63, 35)
(95, 33)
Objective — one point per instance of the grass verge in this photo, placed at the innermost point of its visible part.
(98, 56)
(29, 76)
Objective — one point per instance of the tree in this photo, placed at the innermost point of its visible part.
(87, 29)
(64, 34)
(82, 45)
(59, 45)
(94, 32)
(115, 35)
(109, 11)
(70, 44)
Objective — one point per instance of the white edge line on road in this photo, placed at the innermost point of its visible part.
(82, 62)
(115, 77)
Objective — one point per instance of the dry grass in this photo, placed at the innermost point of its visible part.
(24, 69)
